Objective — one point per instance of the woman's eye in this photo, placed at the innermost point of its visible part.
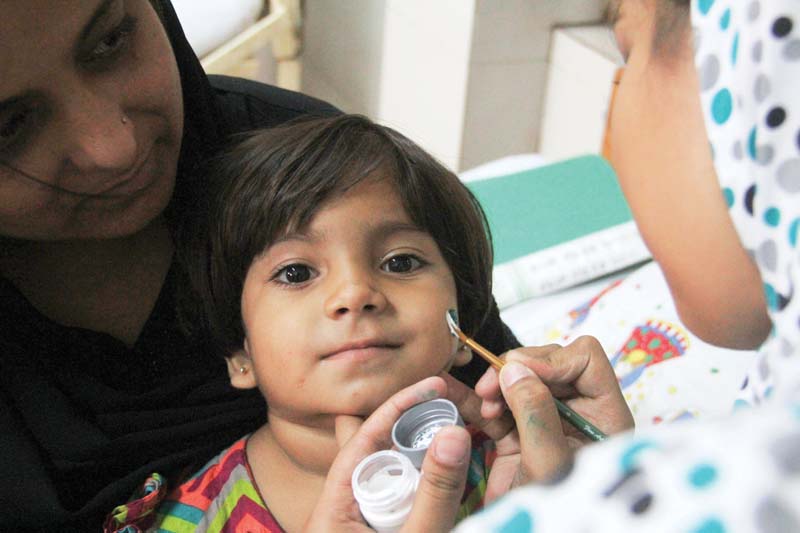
(402, 263)
(115, 42)
(15, 127)
(294, 274)
(11, 126)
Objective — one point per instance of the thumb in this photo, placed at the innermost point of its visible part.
(441, 486)
(543, 446)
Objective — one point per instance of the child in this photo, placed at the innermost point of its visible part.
(334, 247)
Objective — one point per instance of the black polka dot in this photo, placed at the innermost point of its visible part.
(798, 139)
(749, 194)
(775, 117)
(781, 27)
(642, 504)
(783, 301)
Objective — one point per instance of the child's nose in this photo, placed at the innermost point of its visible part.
(355, 295)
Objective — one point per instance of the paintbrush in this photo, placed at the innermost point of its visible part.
(580, 423)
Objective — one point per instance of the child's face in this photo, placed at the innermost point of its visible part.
(348, 311)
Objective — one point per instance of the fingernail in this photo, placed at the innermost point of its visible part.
(451, 447)
(513, 372)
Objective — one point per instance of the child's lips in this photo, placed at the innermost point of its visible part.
(362, 350)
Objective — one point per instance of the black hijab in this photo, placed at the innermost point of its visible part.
(203, 130)
(83, 418)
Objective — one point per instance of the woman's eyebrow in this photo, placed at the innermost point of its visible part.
(98, 16)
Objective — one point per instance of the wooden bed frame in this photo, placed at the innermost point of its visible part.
(280, 28)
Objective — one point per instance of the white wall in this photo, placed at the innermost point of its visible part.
(425, 69)
(343, 52)
(579, 82)
(464, 78)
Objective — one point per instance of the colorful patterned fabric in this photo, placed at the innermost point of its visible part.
(223, 497)
(666, 373)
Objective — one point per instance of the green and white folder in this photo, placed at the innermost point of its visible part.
(557, 225)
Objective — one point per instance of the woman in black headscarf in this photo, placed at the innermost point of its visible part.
(105, 117)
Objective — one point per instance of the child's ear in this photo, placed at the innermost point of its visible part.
(463, 356)
(240, 369)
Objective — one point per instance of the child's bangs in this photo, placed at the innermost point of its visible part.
(337, 164)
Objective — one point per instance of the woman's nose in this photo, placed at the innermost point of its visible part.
(99, 135)
(354, 295)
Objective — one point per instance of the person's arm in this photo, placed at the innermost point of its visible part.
(661, 154)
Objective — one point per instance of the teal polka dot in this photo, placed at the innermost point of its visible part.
(704, 6)
(740, 404)
(735, 49)
(721, 106)
(521, 522)
(772, 216)
(702, 476)
(729, 196)
(793, 227)
(725, 20)
(771, 296)
(768, 392)
(710, 525)
(628, 459)
(751, 144)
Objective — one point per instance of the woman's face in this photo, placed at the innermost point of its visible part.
(91, 118)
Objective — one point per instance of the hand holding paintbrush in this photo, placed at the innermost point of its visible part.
(583, 425)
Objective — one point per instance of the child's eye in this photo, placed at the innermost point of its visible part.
(401, 263)
(113, 44)
(294, 274)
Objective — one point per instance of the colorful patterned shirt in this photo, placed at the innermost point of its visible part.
(222, 497)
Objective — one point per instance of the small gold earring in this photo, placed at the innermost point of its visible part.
(243, 369)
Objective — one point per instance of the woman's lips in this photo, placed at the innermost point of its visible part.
(138, 178)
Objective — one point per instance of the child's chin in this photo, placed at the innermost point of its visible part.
(364, 400)
(368, 404)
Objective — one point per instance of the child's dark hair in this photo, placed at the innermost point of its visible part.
(274, 181)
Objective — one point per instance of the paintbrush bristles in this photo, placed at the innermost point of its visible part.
(490, 358)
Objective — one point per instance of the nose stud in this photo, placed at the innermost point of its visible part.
(124, 119)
